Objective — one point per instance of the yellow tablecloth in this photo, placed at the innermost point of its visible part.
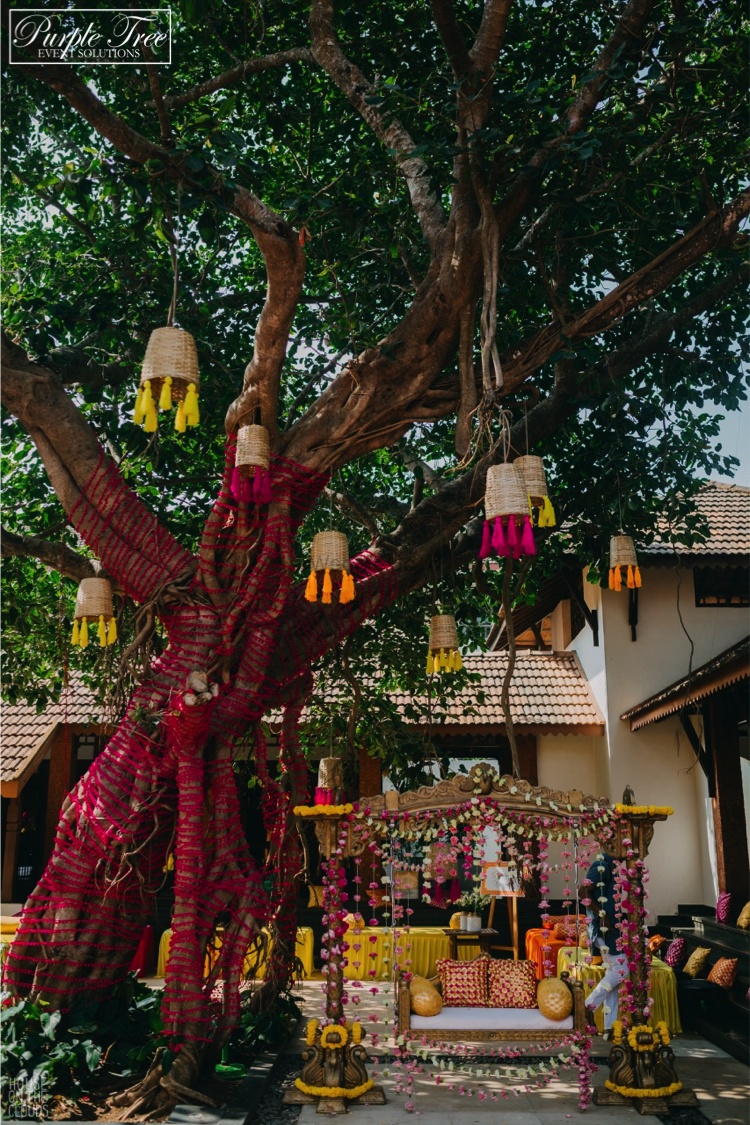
(428, 943)
(662, 990)
(304, 950)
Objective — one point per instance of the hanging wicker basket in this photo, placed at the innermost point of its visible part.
(505, 492)
(253, 449)
(330, 787)
(94, 604)
(507, 527)
(623, 563)
(444, 654)
(330, 558)
(535, 482)
(169, 374)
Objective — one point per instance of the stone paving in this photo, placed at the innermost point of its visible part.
(720, 1082)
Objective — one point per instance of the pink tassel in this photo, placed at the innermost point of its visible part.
(257, 484)
(265, 488)
(514, 547)
(235, 485)
(498, 539)
(455, 890)
(486, 548)
(438, 899)
(246, 491)
(527, 538)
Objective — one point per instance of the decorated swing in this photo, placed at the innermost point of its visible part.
(449, 820)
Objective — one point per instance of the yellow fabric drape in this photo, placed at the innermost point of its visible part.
(428, 943)
(303, 949)
(663, 988)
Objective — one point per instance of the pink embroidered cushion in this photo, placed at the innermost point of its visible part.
(464, 983)
(723, 906)
(512, 984)
(676, 955)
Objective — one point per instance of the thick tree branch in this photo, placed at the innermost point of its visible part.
(352, 82)
(56, 556)
(451, 36)
(353, 509)
(237, 73)
(491, 34)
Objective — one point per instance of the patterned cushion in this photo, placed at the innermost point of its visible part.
(569, 919)
(554, 998)
(724, 972)
(464, 983)
(512, 984)
(696, 962)
(565, 931)
(723, 906)
(425, 998)
(744, 919)
(676, 954)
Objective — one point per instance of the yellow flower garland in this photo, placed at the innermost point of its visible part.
(333, 1091)
(322, 810)
(312, 1027)
(631, 1092)
(645, 810)
(356, 1033)
(327, 1032)
(617, 1032)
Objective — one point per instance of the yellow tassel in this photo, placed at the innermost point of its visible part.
(611, 579)
(192, 413)
(165, 398)
(442, 660)
(311, 589)
(84, 633)
(637, 577)
(102, 631)
(429, 663)
(457, 661)
(180, 421)
(548, 512)
(618, 579)
(112, 631)
(531, 506)
(147, 399)
(630, 581)
(74, 636)
(449, 663)
(138, 412)
(151, 423)
(327, 588)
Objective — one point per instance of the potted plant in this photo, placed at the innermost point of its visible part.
(472, 904)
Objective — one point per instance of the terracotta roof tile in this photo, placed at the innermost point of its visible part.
(726, 507)
(23, 729)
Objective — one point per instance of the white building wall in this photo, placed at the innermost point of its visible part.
(658, 761)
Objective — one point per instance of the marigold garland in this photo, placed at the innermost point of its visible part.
(328, 1032)
(322, 810)
(356, 1033)
(632, 1092)
(333, 1091)
(645, 810)
(661, 1034)
(312, 1027)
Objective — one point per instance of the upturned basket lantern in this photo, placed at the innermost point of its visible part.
(444, 654)
(622, 557)
(94, 604)
(251, 481)
(329, 560)
(531, 468)
(330, 787)
(507, 525)
(169, 374)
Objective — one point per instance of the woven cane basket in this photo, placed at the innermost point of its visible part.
(330, 551)
(443, 632)
(93, 599)
(171, 351)
(252, 449)
(622, 551)
(506, 493)
(534, 476)
(330, 773)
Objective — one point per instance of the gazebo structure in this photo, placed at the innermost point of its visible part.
(641, 1062)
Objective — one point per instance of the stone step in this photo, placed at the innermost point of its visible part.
(728, 937)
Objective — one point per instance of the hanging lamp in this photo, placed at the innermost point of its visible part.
(329, 556)
(622, 556)
(444, 654)
(507, 525)
(330, 787)
(94, 604)
(251, 481)
(535, 479)
(169, 375)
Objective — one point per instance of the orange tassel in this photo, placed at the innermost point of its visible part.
(618, 579)
(631, 582)
(637, 578)
(611, 579)
(311, 589)
(327, 588)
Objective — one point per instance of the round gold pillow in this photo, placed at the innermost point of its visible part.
(425, 998)
(744, 919)
(554, 998)
(455, 922)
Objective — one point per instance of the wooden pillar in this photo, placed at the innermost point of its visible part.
(10, 848)
(728, 803)
(526, 744)
(60, 782)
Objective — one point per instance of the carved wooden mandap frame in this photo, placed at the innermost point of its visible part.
(648, 1075)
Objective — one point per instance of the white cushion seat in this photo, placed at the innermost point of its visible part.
(489, 1019)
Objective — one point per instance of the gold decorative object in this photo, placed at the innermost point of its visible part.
(94, 604)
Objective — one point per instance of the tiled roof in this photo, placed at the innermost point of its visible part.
(24, 732)
(548, 690)
(726, 507)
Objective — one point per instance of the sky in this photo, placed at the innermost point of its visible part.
(735, 440)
